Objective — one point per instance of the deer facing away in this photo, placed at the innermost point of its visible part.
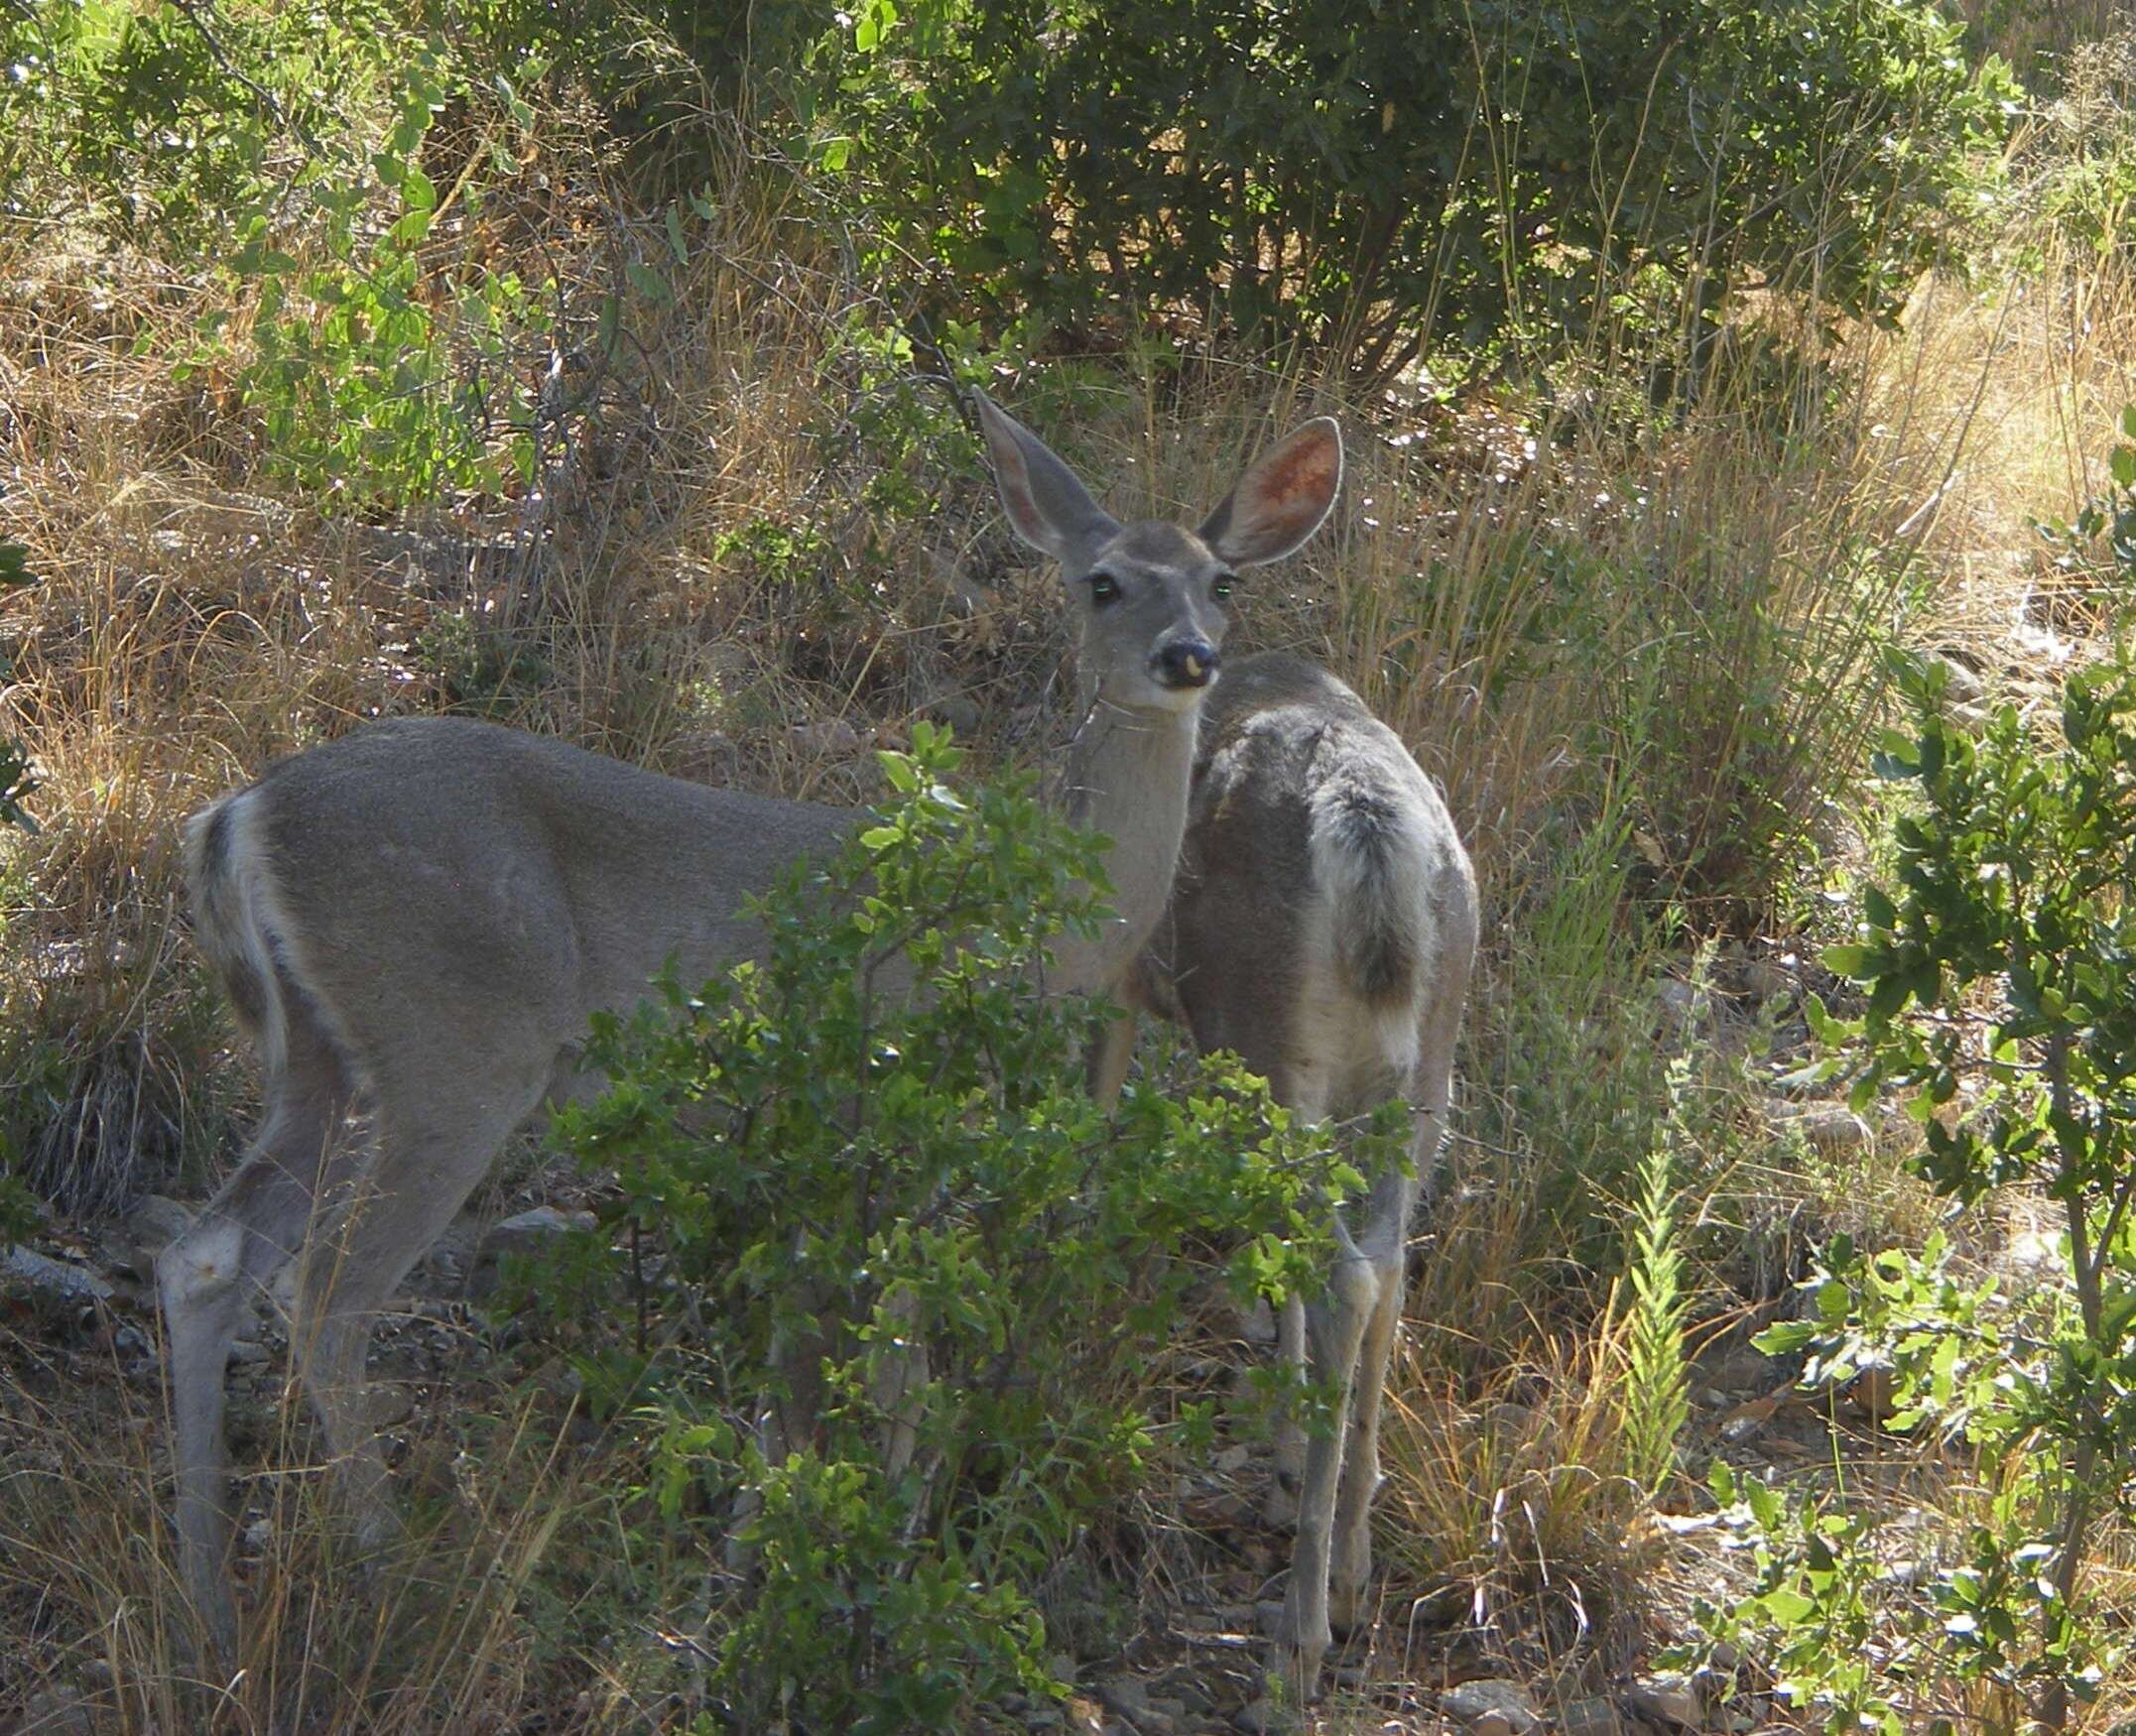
(413, 923)
(1322, 925)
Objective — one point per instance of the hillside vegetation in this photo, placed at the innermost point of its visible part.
(1732, 396)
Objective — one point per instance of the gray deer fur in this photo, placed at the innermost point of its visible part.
(1322, 925)
(414, 921)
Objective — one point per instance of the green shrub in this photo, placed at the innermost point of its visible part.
(2001, 997)
(1383, 178)
(813, 1173)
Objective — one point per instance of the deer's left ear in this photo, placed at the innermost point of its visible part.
(1282, 500)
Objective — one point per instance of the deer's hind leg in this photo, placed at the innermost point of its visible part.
(1386, 1244)
(1385, 1260)
(241, 1238)
(428, 1155)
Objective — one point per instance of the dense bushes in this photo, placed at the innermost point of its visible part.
(1383, 178)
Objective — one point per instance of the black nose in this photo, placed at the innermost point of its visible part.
(1187, 662)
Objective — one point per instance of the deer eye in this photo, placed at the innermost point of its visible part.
(1221, 585)
(1104, 588)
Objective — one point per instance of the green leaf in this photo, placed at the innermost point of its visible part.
(648, 283)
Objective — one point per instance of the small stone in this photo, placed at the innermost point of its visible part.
(1491, 1708)
(1746, 1371)
(1185, 1690)
(50, 1280)
(1594, 1716)
(247, 1353)
(527, 1231)
(391, 1403)
(61, 1714)
(827, 738)
(1960, 683)
(1234, 1459)
(258, 1535)
(1260, 1717)
(1766, 981)
(1442, 1606)
(1125, 1695)
(1830, 1128)
(959, 711)
(1670, 1698)
(1267, 1619)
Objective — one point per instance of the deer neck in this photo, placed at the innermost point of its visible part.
(1129, 772)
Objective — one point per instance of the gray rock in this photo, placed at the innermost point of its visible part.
(1595, 1716)
(1767, 981)
(527, 1231)
(1184, 1689)
(958, 710)
(1960, 685)
(1746, 1371)
(1492, 1709)
(50, 1280)
(61, 1714)
(827, 738)
(1670, 1698)
(1126, 1696)
(1261, 1716)
(1233, 1458)
(1833, 1128)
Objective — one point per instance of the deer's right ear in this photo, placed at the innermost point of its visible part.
(1050, 509)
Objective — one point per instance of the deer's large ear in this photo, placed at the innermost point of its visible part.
(1050, 509)
(1281, 501)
